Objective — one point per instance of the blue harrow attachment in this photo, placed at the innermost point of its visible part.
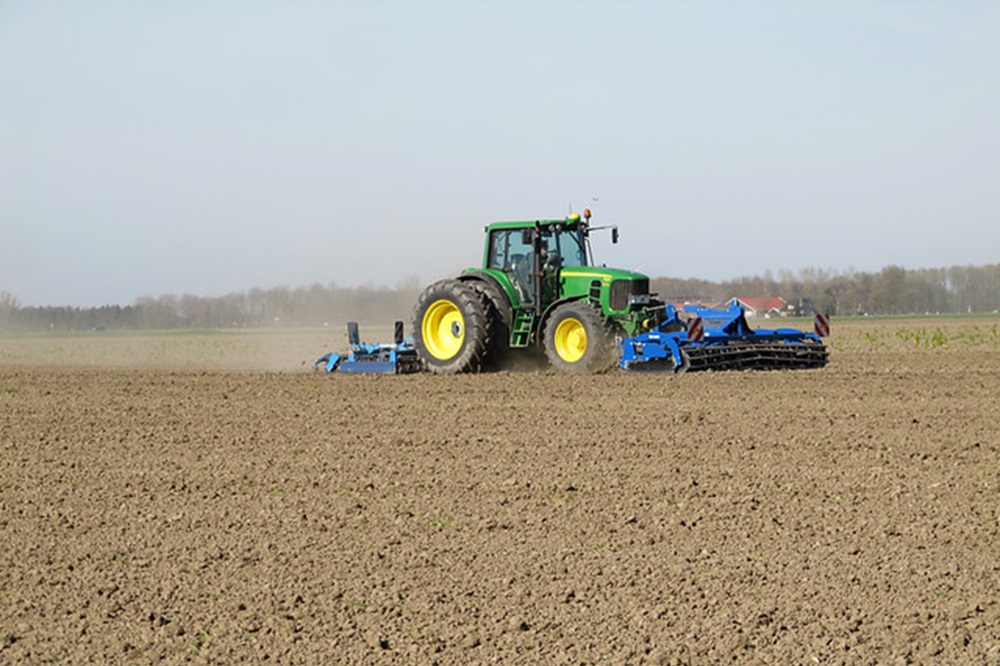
(396, 358)
(700, 338)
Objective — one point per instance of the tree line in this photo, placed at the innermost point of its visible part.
(892, 291)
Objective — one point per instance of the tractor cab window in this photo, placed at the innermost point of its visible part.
(568, 245)
(559, 248)
(563, 247)
(511, 251)
(507, 248)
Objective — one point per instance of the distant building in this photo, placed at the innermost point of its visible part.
(679, 304)
(763, 306)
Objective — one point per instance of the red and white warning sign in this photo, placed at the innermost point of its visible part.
(822, 325)
(696, 329)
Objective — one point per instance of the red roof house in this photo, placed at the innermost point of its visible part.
(762, 306)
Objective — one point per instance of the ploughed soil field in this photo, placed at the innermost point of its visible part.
(210, 498)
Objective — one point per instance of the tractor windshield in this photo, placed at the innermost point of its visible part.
(568, 246)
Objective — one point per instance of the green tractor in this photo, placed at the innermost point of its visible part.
(537, 289)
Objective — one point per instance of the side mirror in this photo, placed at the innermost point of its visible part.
(614, 234)
(525, 236)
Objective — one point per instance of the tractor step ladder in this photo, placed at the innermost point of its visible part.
(520, 334)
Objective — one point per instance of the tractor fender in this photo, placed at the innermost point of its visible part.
(499, 295)
(486, 278)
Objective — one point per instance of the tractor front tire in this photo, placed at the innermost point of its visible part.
(451, 328)
(578, 339)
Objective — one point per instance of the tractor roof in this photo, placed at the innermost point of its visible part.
(569, 221)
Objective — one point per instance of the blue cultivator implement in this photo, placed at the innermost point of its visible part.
(395, 358)
(700, 338)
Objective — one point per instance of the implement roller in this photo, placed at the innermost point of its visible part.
(701, 338)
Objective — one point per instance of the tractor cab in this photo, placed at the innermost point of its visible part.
(531, 255)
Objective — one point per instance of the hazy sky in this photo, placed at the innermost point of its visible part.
(151, 148)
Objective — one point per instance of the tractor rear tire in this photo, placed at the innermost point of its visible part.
(578, 339)
(499, 317)
(451, 328)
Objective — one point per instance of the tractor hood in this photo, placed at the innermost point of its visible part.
(615, 289)
(602, 273)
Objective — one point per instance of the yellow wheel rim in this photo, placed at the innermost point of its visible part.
(443, 329)
(570, 340)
